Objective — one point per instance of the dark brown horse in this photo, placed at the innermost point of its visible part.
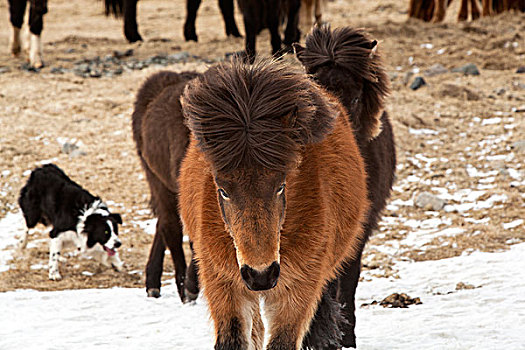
(346, 62)
(161, 139)
(273, 196)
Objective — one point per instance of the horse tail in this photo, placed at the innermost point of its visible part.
(345, 55)
(114, 7)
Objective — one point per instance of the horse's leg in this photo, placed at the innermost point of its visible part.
(172, 232)
(250, 30)
(292, 33)
(192, 278)
(230, 306)
(463, 11)
(275, 37)
(192, 6)
(487, 8)
(474, 9)
(154, 265)
(227, 11)
(306, 14)
(36, 23)
(440, 8)
(289, 317)
(17, 9)
(131, 30)
(319, 4)
(348, 281)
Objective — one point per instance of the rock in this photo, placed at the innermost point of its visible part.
(95, 73)
(456, 91)
(436, 69)
(428, 201)
(500, 91)
(4, 70)
(68, 147)
(461, 286)
(179, 56)
(397, 300)
(469, 69)
(521, 70)
(519, 146)
(417, 83)
(57, 70)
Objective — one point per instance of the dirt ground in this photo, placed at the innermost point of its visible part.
(444, 130)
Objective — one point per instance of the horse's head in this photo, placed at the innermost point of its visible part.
(347, 62)
(250, 122)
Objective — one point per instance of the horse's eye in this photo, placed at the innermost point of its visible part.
(355, 100)
(223, 194)
(281, 189)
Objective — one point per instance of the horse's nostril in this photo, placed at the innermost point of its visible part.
(261, 280)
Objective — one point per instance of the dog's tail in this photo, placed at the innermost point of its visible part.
(339, 60)
(114, 7)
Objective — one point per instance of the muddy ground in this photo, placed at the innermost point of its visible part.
(457, 133)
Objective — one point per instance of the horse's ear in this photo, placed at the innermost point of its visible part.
(316, 120)
(299, 50)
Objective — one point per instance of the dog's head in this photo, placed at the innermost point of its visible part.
(100, 226)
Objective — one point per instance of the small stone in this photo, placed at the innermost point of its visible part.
(179, 56)
(57, 70)
(417, 83)
(429, 201)
(95, 73)
(521, 70)
(461, 286)
(68, 147)
(70, 50)
(500, 91)
(4, 70)
(120, 54)
(469, 69)
(436, 69)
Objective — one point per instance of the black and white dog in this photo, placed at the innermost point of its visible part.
(50, 197)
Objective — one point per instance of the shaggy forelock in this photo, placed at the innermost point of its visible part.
(250, 115)
(344, 47)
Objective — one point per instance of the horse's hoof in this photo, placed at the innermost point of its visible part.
(153, 293)
(133, 37)
(190, 296)
(190, 35)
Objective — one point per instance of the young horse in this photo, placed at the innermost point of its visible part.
(273, 195)
(37, 10)
(346, 63)
(161, 139)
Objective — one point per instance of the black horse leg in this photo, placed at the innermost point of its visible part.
(192, 278)
(172, 233)
(17, 8)
(346, 295)
(227, 11)
(273, 22)
(131, 30)
(154, 265)
(292, 33)
(251, 34)
(192, 6)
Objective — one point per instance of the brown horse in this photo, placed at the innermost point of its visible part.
(346, 62)
(161, 139)
(273, 195)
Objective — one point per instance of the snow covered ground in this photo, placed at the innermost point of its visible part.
(489, 316)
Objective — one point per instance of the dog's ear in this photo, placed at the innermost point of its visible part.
(117, 217)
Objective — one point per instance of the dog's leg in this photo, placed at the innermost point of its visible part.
(22, 241)
(55, 246)
(115, 261)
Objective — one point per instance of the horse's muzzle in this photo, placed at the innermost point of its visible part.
(261, 280)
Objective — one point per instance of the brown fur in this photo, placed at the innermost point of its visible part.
(323, 204)
(310, 10)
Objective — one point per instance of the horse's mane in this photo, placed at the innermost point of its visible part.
(353, 51)
(255, 115)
